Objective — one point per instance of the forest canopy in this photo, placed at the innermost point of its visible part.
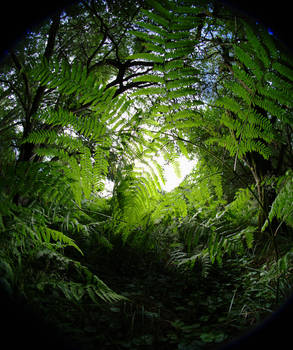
(103, 86)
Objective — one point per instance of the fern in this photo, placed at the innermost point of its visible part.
(172, 29)
(134, 193)
(110, 116)
(89, 285)
(170, 205)
(146, 56)
(249, 237)
(251, 90)
(34, 224)
(71, 80)
(167, 36)
(46, 234)
(229, 231)
(282, 206)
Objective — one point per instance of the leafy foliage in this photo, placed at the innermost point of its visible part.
(282, 205)
(257, 99)
(97, 95)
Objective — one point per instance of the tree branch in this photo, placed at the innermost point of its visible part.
(95, 52)
(18, 95)
(137, 84)
(26, 149)
(19, 68)
(47, 55)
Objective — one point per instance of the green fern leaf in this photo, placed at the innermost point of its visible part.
(146, 56)
(149, 78)
(156, 18)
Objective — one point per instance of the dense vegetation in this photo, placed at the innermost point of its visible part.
(102, 85)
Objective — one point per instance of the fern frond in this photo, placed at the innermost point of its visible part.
(148, 91)
(282, 207)
(47, 234)
(152, 28)
(149, 78)
(284, 70)
(252, 130)
(161, 10)
(147, 56)
(149, 38)
(42, 136)
(88, 285)
(249, 237)
(257, 46)
(181, 83)
(158, 19)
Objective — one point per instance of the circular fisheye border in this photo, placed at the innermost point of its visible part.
(17, 18)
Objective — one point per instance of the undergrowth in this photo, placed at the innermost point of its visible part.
(96, 96)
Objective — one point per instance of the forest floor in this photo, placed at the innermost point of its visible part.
(165, 309)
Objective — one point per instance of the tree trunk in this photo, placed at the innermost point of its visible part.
(259, 168)
(26, 149)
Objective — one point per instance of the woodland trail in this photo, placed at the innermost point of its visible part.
(165, 309)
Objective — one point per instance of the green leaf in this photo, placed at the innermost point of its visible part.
(146, 56)
(149, 78)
